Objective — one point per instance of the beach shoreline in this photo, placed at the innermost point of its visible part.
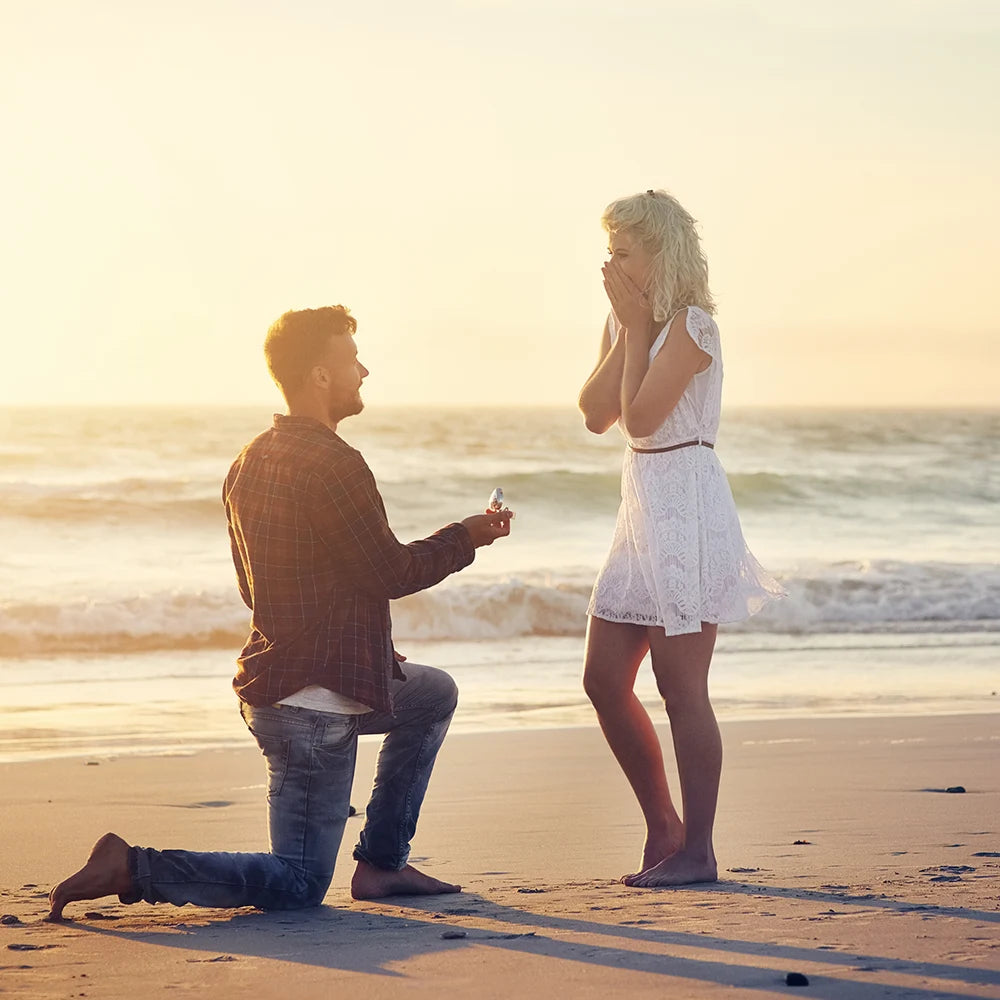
(181, 701)
(893, 893)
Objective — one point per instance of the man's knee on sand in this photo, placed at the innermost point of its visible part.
(314, 892)
(310, 891)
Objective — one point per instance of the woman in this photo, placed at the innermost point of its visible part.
(678, 565)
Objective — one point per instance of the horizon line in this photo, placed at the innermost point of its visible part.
(277, 406)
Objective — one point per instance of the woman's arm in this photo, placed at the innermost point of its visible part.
(600, 397)
(650, 390)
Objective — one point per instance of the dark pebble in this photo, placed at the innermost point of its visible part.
(801, 841)
(796, 979)
(454, 935)
(530, 890)
(351, 811)
(956, 790)
(26, 947)
(9, 918)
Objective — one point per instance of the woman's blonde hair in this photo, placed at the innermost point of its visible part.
(679, 270)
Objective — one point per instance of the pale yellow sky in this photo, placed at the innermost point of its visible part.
(174, 179)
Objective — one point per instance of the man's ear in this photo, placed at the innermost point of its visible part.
(320, 376)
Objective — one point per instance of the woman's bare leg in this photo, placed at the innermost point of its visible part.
(614, 652)
(681, 664)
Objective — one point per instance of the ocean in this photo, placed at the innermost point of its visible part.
(120, 619)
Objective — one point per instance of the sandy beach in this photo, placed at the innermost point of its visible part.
(842, 858)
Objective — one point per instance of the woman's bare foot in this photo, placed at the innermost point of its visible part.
(375, 883)
(657, 848)
(681, 868)
(106, 873)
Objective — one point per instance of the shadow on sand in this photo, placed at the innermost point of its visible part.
(323, 937)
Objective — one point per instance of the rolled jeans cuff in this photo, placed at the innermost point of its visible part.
(381, 863)
(134, 895)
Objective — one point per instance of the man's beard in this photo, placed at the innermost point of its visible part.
(338, 409)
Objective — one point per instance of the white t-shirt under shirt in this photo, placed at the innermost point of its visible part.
(321, 699)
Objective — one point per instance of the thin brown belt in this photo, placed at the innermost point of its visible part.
(673, 447)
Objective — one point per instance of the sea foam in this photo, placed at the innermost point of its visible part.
(843, 597)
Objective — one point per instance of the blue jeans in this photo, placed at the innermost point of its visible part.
(310, 769)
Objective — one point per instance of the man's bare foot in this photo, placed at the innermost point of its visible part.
(375, 883)
(106, 873)
(680, 868)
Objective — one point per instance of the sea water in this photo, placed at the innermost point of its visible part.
(120, 619)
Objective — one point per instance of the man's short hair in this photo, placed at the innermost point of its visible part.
(299, 338)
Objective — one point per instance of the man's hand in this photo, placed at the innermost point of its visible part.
(485, 529)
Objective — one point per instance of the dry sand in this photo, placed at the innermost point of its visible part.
(893, 894)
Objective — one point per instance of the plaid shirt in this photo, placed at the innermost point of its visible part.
(317, 564)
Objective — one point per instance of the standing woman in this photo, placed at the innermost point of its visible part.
(678, 565)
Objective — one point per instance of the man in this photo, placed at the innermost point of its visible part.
(317, 565)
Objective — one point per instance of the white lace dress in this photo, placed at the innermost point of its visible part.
(678, 557)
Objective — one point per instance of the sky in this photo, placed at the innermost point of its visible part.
(175, 177)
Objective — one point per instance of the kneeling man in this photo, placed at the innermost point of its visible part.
(317, 565)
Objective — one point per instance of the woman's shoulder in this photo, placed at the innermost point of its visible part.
(696, 316)
(700, 327)
(692, 317)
